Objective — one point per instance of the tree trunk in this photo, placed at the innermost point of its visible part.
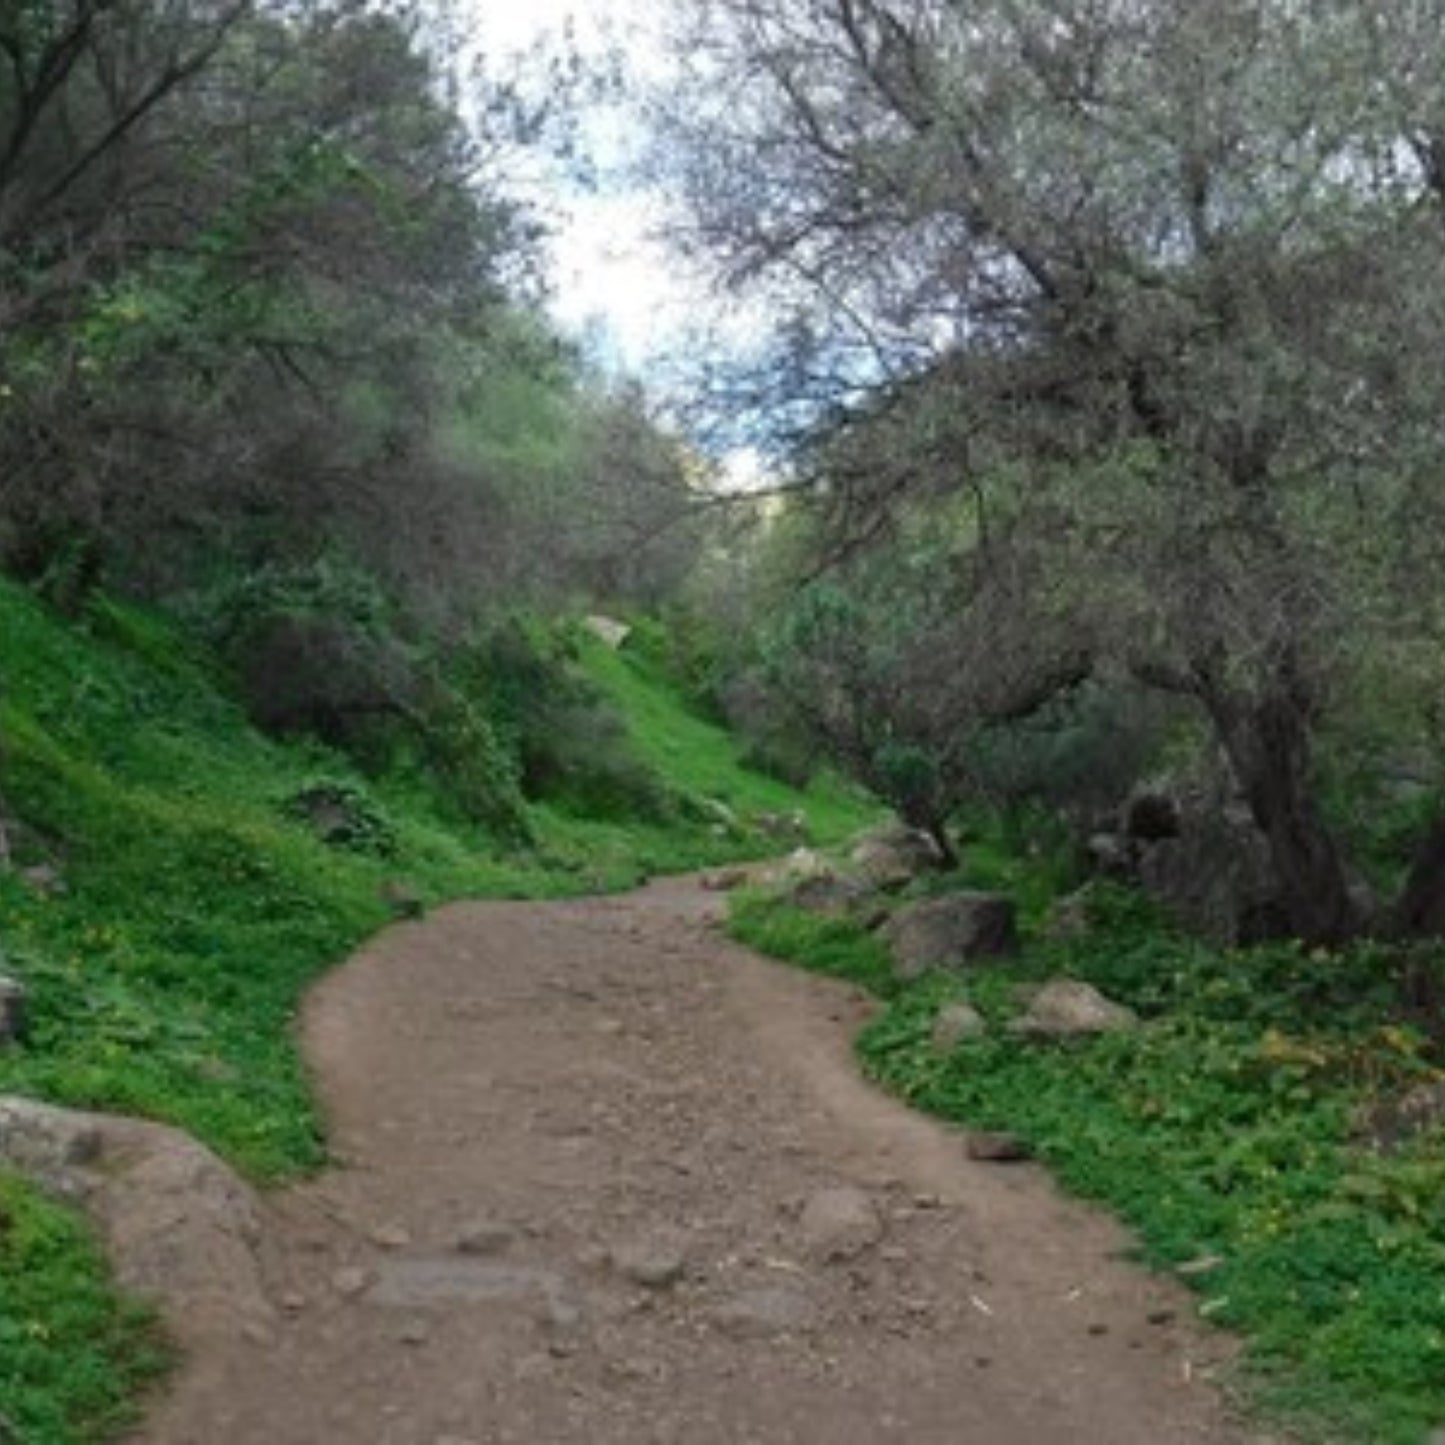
(948, 857)
(1420, 912)
(1268, 744)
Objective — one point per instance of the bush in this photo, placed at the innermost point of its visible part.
(571, 746)
(342, 814)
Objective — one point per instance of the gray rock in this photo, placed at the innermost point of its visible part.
(1387, 1124)
(350, 1282)
(830, 895)
(608, 630)
(1066, 1008)
(412, 1283)
(783, 827)
(1069, 917)
(894, 855)
(651, 1264)
(806, 863)
(414, 1332)
(391, 1236)
(45, 879)
(839, 1224)
(54, 1147)
(724, 880)
(955, 1023)
(1110, 855)
(179, 1225)
(951, 933)
(765, 1311)
(485, 1237)
(12, 1010)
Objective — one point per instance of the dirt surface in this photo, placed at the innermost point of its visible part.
(604, 1177)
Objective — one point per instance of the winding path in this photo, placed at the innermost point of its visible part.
(604, 1177)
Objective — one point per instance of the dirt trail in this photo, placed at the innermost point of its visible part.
(599, 1182)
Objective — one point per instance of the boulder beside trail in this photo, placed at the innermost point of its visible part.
(1066, 1008)
(1385, 1125)
(952, 933)
(181, 1227)
(956, 1022)
(894, 855)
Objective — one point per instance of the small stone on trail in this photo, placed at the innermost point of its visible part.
(757, 1313)
(991, 1148)
(839, 1224)
(293, 1303)
(391, 1236)
(654, 1266)
(350, 1282)
(1161, 1317)
(484, 1237)
(414, 1332)
(1098, 1329)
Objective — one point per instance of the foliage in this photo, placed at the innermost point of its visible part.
(344, 815)
(1138, 293)
(697, 757)
(72, 1355)
(892, 664)
(1220, 1130)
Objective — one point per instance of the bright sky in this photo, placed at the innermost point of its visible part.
(613, 283)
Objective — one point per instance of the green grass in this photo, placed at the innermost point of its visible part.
(696, 756)
(164, 980)
(1218, 1128)
(72, 1353)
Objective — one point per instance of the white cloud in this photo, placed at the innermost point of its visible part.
(614, 283)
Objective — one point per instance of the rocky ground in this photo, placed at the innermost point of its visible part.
(603, 1177)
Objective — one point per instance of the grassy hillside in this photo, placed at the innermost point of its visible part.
(167, 906)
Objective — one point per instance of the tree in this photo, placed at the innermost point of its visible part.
(1164, 269)
(875, 664)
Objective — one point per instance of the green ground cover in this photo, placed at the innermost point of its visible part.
(1220, 1130)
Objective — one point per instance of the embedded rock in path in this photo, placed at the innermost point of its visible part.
(485, 1237)
(1066, 1008)
(650, 1263)
(839, 1224)
(767, 1310)
(951, 933)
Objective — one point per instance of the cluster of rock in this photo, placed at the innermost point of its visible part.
(956, 933)
(1200, 855)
